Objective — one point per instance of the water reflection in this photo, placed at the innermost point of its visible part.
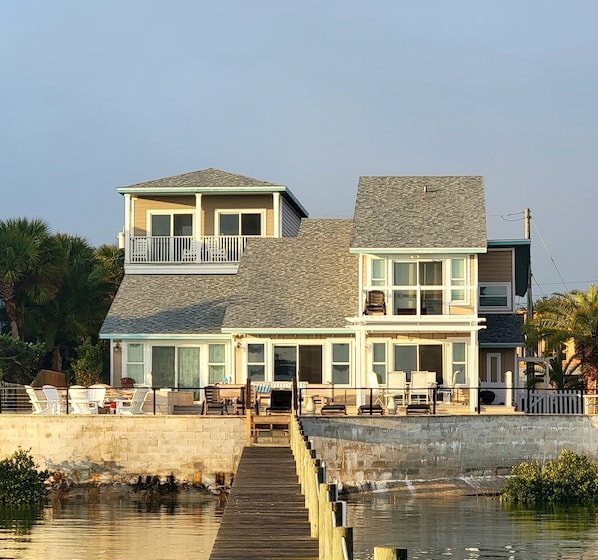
(470, 527)
(151, 531)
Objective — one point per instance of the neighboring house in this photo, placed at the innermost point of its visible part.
(222, 282)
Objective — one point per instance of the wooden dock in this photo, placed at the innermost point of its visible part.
(265, 516)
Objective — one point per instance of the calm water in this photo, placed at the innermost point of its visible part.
(451, 528)
(116, 530)
(465, 528)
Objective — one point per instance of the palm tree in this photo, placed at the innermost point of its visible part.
(31, 267)
(571, 316)
(80, 305)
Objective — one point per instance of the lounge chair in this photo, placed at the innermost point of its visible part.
(97, 394)
(80, 402)
(134, 406)
(52, 399)
(38, 401)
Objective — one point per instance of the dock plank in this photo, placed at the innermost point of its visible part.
(265, 516)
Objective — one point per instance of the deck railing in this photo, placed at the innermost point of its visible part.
(186, 249)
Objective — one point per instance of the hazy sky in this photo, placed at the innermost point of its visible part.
(100, 94)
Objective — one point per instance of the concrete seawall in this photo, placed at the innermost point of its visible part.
(360, 452)
(443, 453)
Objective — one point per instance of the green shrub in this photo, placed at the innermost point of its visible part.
(572, 479)
(21, 483)
(89, 365)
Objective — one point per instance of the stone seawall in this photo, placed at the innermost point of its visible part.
(106, 449)
(466, 453)
(442, 453)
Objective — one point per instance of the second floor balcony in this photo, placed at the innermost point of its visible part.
(185, 249)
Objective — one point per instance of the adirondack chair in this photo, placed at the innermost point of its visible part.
(134, 406)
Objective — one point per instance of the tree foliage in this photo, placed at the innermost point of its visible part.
(569, 316)
(21, 483)
(89, 364)
(56, 288)
(31, 267)
(19, 360)
(572, 479)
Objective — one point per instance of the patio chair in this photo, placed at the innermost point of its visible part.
(52, 399)
(38, 400)
(375, 303)
(376, 392)
(280, 401)
(134, 406)
(213, 402)
(79, 401)
(397, 386)
(97, 394)
(422, 382)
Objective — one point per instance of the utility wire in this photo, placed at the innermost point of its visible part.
(550, 256)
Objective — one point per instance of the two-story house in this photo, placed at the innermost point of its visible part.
(222, 282)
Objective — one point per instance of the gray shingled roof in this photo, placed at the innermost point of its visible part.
(419, 212)
(505, 329)
(169, 304)
(205, 178)
(310, 281)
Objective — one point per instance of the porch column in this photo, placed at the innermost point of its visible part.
(197, 225)
(509, 388)
(474, 373)
(361, 356)
(128, 211)
(277, 212)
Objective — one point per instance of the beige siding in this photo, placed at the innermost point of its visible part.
(211, 203)
(496, 266)
(144, 205)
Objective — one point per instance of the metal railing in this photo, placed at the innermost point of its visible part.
(328, 399)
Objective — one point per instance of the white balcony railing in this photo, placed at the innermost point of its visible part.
(186, 249)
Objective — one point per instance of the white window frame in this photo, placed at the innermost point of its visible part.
(456, 284)
(340, 363)
(260, 211)
(263, 363)
(508, 289)
(136, 363)
(171, 213)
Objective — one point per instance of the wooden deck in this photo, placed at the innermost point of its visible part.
(265, 516)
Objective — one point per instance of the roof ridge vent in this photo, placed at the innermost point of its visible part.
(425, 188)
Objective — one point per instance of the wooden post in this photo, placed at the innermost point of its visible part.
(385, 553)
(342, 542)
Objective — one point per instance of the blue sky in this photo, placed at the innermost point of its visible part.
(312, 94)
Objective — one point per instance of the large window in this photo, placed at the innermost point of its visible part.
(419, 357)
(303, 362)
(240, 223)
(171, 225)
(417, 288)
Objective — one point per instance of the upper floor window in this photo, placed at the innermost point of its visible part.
(417, 288)
(458, 280)
(240, 223)
(171, 225)
(378, 272)
(495, 296)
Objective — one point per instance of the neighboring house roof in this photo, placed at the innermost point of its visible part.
(307, 282)
(502, 329)
(214, 181)
(422, 213)
(168, 304)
